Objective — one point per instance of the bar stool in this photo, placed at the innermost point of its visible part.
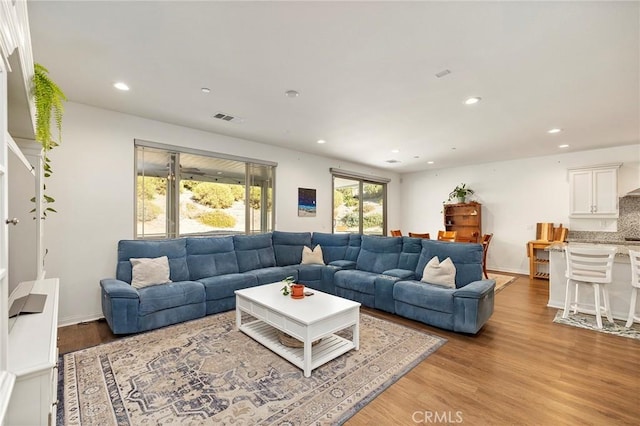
(634, 256)
(591, 265)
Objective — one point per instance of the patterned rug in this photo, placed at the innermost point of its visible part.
(501, 280)
(206, 372)
(589, 322)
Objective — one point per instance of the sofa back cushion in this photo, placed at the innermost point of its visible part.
(410, 254)
(355, 244)
(174, 249)
(379, 254)
(334, 246)
(288, 246)
(210, 257)
(254, 251)
(466, 257)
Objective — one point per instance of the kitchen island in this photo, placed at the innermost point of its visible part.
(619, 289)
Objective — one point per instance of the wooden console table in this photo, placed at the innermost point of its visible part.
(535, 261)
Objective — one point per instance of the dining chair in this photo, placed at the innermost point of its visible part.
(447, 236)
(396, 233)
(419, 235)
(486, 239)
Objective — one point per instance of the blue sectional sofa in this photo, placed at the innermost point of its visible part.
(379, 272)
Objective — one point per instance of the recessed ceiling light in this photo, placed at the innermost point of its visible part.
(563, 146)
(206, 90)
(429, 162)
(473, 100)
(443, 73)
(395, 151)
(291, 94)
(555, 130)
(321, 141)
(121, 86)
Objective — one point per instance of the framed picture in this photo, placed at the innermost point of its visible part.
(306, 202)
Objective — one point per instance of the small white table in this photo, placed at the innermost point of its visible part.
(307, 319)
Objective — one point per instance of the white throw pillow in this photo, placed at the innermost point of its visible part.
(312, 256)
(441, 273)
(149, 271)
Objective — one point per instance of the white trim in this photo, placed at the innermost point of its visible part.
(182, 149)
(359, 176)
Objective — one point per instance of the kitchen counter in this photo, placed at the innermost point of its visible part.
(619, 289)
(622, 246)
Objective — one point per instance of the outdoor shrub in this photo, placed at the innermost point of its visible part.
(237, 191)
(214, 195)
(372, 221)
(190, 210)
(218, 219)
(147, 211)
(368, 208)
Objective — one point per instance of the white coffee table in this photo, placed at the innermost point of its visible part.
(308, 319)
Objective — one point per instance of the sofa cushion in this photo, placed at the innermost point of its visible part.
(440, 273)
(466, 256)
(274, 274)
(146, 271)
(224, 286)
(310, 273)
(174, 249)
(410, 254)
(211, 256)
(288, 246)
(359, 281)
(159, 297)
(334, 246)
(254, 251)
(312, 257)
(378, 254)
(427, 296)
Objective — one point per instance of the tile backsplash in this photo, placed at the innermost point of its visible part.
(628, 224)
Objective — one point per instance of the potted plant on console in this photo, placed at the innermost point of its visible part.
(461, 192)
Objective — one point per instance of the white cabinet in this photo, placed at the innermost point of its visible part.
(33, 358)
(593, 192)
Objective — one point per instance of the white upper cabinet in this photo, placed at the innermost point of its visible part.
(593, 192)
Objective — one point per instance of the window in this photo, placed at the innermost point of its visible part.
(183, 192)
(359, 203)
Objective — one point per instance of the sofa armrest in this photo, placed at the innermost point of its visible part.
(475, 289)
(117, 288)
(403, 274)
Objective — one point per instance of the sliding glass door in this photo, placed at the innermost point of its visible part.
(359, 206)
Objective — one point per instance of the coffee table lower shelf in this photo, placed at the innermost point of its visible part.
(330, 347)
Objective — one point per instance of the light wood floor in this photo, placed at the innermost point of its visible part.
(520, 369)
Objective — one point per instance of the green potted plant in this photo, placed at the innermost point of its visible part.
(461, 192)
(48, 99)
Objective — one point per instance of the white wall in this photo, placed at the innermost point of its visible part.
(515, 196)
(93, 184)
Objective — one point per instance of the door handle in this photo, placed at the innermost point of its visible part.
(13, 221)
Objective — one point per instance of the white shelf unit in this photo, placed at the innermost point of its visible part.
(28, 354)
(33, 358)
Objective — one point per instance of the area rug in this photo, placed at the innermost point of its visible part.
(501, 280)
(206, 372)
(589, 322)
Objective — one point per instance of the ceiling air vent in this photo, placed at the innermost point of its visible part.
(392, 161)
(227, 117)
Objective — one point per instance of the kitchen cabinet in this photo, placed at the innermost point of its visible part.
(593, 192)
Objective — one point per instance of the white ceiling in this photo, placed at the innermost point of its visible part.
(365, 72)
